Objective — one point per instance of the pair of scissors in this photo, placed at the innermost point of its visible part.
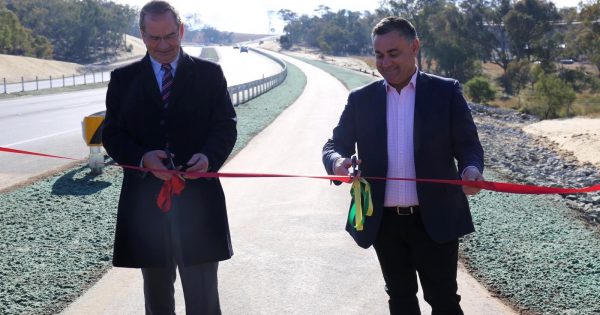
(171, 165)
(355, 170)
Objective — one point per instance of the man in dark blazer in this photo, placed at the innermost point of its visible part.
(170, 109)
(410, 125)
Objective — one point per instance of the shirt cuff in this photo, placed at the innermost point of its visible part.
(465, 170)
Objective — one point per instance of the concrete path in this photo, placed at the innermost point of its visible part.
(292, 255)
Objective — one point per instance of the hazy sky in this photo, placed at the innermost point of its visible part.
(252, 16)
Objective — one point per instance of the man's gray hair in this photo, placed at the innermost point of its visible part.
(157, 7)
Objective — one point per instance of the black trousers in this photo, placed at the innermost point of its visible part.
(199, 282)
(403, 249)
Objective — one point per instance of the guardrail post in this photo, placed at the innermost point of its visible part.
(94, 76)
(4, 79)
(102, 76)
(22, 85)
(73, 79)
(36, 83)
(84, 79)
(63, 80)
(50, 81)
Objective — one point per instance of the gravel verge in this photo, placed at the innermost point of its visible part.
(540, 253)
(56, 235)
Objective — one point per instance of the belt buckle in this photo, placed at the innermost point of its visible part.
(412, 211)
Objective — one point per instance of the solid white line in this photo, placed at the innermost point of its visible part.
(42, 137)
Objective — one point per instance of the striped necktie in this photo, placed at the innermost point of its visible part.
(167, 83)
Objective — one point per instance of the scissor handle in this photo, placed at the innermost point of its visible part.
(354, 166)
(171, 165)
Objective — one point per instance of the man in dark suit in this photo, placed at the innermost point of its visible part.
(170, 109)
(410, 125)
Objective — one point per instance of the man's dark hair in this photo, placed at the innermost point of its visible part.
(157, 7)
(395, 24)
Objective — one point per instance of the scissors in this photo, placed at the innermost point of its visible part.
(355, 170)
(171, 165)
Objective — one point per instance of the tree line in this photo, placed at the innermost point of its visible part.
(80, 31)
(68, 30)
(524, 38)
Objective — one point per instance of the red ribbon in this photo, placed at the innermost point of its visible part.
(9, 150)
(493, 186)
(170, 188)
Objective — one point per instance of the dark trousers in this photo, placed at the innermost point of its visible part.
(199, 282)
(403, 249)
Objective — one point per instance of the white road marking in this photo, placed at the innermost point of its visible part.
(42, 137)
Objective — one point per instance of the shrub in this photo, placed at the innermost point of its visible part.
(285, 42)
(479, 90)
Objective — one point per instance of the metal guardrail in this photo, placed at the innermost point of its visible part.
(244, 92)
(239, 94)
(54, 82)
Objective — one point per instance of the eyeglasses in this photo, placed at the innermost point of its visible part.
(171, 38)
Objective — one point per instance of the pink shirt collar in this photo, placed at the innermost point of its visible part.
(413, 81)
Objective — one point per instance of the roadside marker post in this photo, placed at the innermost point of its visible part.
(92, 135)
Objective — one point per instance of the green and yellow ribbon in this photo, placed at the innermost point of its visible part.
(362, 205)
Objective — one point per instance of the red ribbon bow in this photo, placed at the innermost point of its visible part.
(170, 188)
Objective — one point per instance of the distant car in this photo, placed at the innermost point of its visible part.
(236, 47)
(568, 61)
(243, 49)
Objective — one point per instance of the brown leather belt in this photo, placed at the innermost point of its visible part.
(403, 210)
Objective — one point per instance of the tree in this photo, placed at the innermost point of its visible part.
(79, 30)
(483, 19)
(552, 96)
(516, 76)
(454, 52)
(588, 36)
(15, 39)
(529, 27)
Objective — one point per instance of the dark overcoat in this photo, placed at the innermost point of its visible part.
(444, 133)
(200, 118)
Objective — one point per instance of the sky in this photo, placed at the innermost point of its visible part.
(252, 16)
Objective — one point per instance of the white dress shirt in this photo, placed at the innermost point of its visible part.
(401, 158)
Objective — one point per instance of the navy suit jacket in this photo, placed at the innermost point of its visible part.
(200, 118)
(444, 133)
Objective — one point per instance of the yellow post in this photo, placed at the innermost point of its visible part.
(92, 135)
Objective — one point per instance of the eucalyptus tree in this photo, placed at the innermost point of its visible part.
(529, 25)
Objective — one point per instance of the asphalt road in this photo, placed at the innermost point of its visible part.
(52, 123)
(292, 255)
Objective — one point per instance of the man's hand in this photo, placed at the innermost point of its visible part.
(154, 160)
(197, 163)
(472, 173)
(341, 166)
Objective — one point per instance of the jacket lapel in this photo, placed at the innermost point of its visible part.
(182, 75)
(420, 110)
(380, 101)
(148, 79)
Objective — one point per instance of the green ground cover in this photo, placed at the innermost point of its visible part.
(350, 78)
